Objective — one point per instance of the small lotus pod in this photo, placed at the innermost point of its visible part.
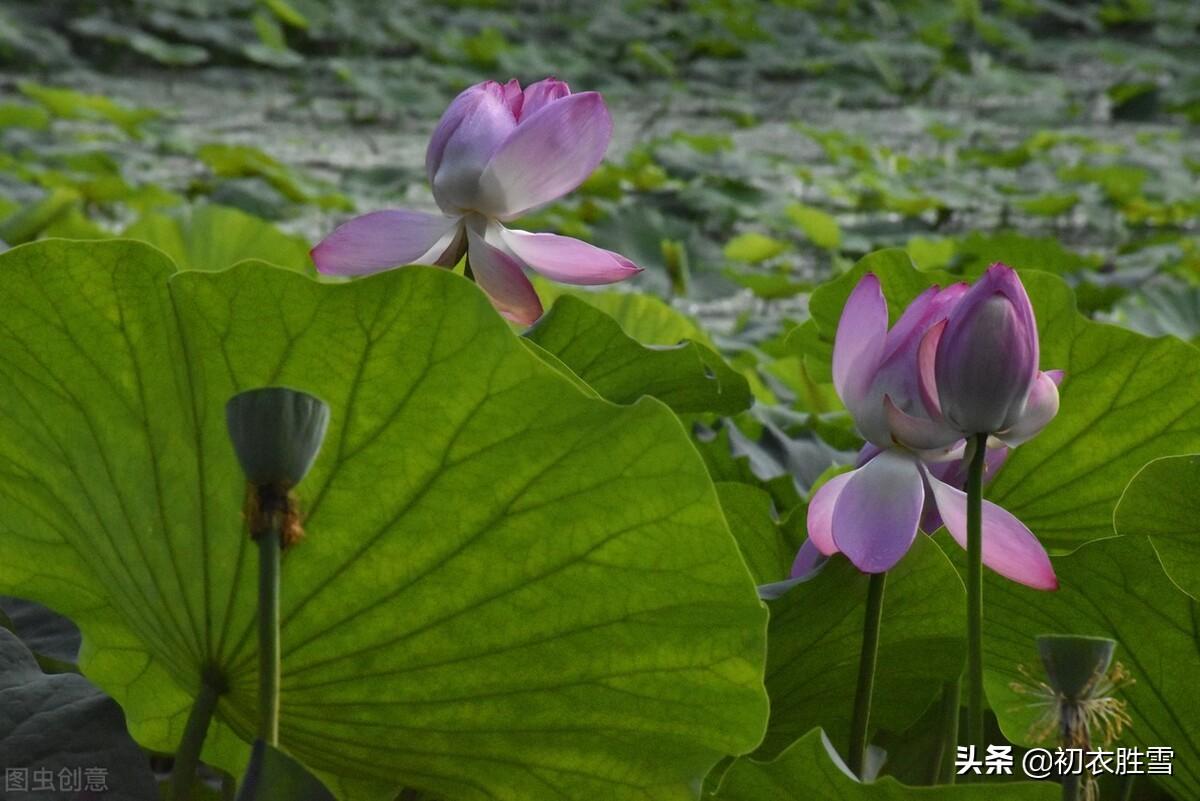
(1074, 663)
(276, 434)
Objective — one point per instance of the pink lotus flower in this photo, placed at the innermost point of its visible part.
(497, 152)
(872, 514)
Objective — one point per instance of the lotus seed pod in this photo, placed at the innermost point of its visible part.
(276, 433)
(1073, 663)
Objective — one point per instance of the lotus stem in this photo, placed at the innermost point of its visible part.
(187, 756)
(975, 702)
(866, 673)
(943, 768)
(268, 633)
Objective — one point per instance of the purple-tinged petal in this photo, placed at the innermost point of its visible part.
(1056, 376)
(514, 98)
(384, 239)
(459, 108)
(1009, 548)
(859, 342)
(910, 325)
(926, 376)
(549, 153)
(808, 559)
(876, 515)
(457, 156)
(866, 453)
(1040, 408)
(567, 260)
(954, 472)
(542, 93)
(987, 358)
(500, 276)
(916, 432)
(820, 513)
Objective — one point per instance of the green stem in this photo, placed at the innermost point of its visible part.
(1072, 783)
(975, 704)
(943, 768)
(866, 673)
(1127, 786)
(268, 635)
(187, 757)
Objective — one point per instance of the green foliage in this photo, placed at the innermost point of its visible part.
(1110, 588)
(812, 762)
(1163, 502)
(814, 639)
(688, 377)
(465, 493)
(63, 724)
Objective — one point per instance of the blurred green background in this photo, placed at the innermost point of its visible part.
(759, 146)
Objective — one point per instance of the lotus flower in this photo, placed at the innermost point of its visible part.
(497, 152)
(872, 514)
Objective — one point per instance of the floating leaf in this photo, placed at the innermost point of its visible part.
(819, 226)
(753, 247)
(508, 590)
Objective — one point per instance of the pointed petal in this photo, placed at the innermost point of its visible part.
(383, 239)
(926, 359)
(858, 344)
(820, 513)
(915, 432)
(1009, 548)
(1040, 408)
(542, 93)
(514, 98)
(567, 260)
(808, 559)
(549, 153)
(501, 278)
(876, 515)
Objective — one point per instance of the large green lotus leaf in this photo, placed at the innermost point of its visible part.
(55, 727)
(509, 590)
(767, 548)
(810, 768)
(815, 636)
(687, 377)
(213, 237)
(1126, 399)
(646, 318)
(1163, 501)
(1111, 588)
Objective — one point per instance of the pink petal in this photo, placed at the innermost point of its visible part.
(926, 359)
(876, 515)
(568, 260)
(1009, 548)
(514, 98)
(384, 239)
(501, 278)
(453, 117)
(916, 432)
(858, 345)
(820, 513)
(549, 153)
(543, 92)
(1040, 408)
(480, 127)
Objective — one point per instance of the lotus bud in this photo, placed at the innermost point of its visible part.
(987, 356)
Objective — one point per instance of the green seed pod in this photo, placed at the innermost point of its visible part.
(276, 433)
(1073, 663)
